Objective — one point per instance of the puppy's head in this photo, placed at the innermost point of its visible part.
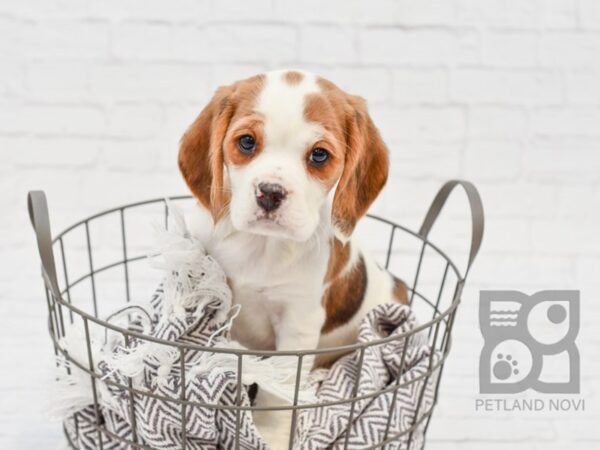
(280, 152)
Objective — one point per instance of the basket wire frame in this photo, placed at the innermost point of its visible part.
(58, 300)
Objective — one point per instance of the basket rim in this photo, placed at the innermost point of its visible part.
(434, 321)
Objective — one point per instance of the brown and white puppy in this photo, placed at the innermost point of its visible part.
(284, 164)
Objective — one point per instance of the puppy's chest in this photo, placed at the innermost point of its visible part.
(272, 274)
(269, 282)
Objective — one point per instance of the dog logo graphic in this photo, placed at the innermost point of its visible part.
(529, 342)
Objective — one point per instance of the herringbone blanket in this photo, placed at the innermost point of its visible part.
(380, 414)
(159, 420)
(193, 305)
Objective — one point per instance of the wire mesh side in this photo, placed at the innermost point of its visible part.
(438, 330)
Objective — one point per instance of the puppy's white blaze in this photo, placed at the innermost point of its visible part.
(287, 137)
(282, 105)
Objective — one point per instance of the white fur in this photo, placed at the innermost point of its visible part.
(277, 267)
(287, 135)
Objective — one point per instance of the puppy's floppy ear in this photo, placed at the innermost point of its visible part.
(365, 168)
(201, 152)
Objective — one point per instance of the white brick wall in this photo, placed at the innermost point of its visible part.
(95, 95)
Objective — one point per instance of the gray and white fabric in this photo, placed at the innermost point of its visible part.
(194, 306)
(402, 362)
(159, 423)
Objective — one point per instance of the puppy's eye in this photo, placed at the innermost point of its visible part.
(318, 157)
(247, 144)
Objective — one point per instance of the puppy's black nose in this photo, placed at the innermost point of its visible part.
(270, 196)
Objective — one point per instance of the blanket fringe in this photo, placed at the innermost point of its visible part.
(193, 282)
(71, 390)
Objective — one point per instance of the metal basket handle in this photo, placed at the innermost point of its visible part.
(38, 214)
(477, 221)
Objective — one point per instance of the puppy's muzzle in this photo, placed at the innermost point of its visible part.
(269, 196)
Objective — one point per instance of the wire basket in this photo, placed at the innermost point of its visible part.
(94, 279)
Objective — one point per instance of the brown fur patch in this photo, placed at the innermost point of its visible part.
(344, 296)
(201, 155)
(360, 157)
(293, 77)
(400, 291)
(251, 125)
(321, 109)
(338, 259)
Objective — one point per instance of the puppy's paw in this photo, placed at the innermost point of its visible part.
(274, 429)
(273, 426)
